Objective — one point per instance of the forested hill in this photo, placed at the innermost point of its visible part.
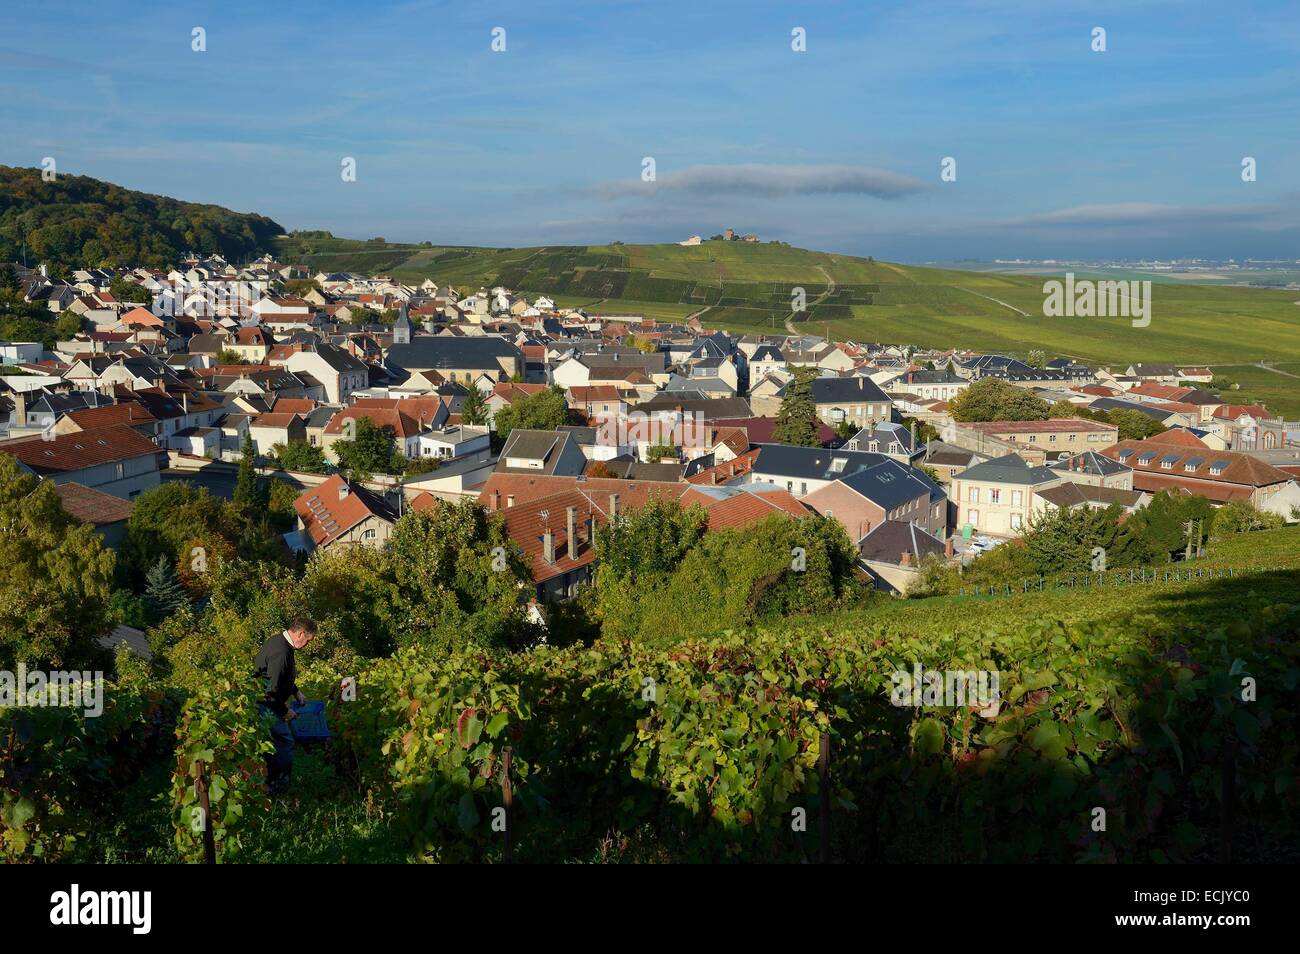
(77, 221)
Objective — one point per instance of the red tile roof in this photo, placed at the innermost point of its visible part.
(542, 503)
(325, 516)
(274, 419)
(127, 412)
(1177, 436)
(294, 406)
(745, 508)
(1230, 412)
(71, 452)
(721, 473)
(513, 390)
(1165, 392)
(1243, 470)
(402, 425)
(594, 392)
(88, 505)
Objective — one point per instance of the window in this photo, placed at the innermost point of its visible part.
(973, 518)
(995, 495)
(1015, 521)
(369, 535)
(1051, 439)
(1033, 438)
(973, 496)
(1017, 498)
(510, 500)
(803, 488)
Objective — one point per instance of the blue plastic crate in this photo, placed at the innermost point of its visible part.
(310, 725)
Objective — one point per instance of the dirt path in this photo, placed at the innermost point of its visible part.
(830, 290)
(997, 301)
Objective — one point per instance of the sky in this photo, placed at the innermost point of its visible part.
(1061, 150)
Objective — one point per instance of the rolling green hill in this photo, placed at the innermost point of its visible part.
(747, 287)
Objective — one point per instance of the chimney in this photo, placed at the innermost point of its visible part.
(572, 528)
(548, 546)
(496, 500)
(613, 507)
(20, 409)
(905, 558)
(947, 548)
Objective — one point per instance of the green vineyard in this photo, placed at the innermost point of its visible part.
(1117, 726)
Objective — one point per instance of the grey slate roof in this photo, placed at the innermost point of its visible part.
(446, 351)
(1090, 462)
(846, 391)
(812, 463)
(888, 541)
(1010, 469)
(890, 484)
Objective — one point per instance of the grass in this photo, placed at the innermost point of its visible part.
(748, 286)
(1279, 392)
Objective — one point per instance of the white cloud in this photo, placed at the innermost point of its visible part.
(771, 180)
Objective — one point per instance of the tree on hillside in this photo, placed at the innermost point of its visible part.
(543, 411)
(56, 585)
(991, 399)
(163, 592)
(369, 452)
(248, 492)
(474, 410)
(175, 518)
(1134, 425)
(796, 422)
(1159, 530)
(67, 326)
(300, 456)
(124, 290)
(1063, 540)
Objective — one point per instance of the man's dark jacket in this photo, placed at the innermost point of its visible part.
(275, 664)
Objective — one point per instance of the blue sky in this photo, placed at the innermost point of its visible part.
(1061, 151)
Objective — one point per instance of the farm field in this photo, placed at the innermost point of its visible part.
(748, 288)
(1280, 392)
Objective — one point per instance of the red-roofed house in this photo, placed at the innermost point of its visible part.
(554, 519)
(1169, 462)
(339, 512)
(115, 460)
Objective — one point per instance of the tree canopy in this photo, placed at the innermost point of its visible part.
(991, 399)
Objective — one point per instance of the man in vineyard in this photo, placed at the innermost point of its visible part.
(275, 665)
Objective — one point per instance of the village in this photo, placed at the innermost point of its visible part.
(372, 398)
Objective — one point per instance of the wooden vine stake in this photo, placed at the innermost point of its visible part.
(507, 799)
(201, 790)
(824, 794)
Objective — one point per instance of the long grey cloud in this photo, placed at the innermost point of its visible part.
(770, 180)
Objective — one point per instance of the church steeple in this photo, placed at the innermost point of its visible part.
(402, 327)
